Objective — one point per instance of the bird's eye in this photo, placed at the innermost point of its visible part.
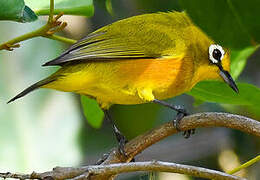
(216, 53)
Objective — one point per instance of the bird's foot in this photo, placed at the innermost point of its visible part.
(102, 159)
(121, 140)
(181, 113)
(119, 136)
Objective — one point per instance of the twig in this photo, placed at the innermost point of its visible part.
(86, 171)
(47, 31)
(50, 19)
(161, 167)
(14, 175)
(62, 39)
(245, 165)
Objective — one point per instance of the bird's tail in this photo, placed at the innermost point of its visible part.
(32, 88)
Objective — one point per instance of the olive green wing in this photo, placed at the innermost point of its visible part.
(145, 36)
(97, 47)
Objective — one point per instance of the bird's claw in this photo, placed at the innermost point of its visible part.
(102, 159)
(121, 146)
(180, 114)
(189, 132)
(121, 140)
(178, 118)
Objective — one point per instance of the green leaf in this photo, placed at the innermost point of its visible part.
(109, 7)
(71, 7)
(239, 59)
(92, 111)
(155, 5)
(219, 92)
(232, 23)
(197, 102)
(16, 10)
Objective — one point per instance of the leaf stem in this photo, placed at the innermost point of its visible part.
(62, 39)
(50, 19)
(24, 37)
(47, 31)
(245, 165)
(9, 45)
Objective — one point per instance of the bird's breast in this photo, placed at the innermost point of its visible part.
(165, 77)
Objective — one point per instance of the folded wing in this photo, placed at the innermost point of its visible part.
(153, 36)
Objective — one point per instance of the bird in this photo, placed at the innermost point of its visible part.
(141, 59)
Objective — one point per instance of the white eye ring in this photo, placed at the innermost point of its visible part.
(212, 47)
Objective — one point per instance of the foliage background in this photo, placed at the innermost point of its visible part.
(48, 128)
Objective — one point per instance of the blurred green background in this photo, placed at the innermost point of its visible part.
(48, 128)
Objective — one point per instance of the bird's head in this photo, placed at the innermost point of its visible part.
(219, 60)
(213, 64)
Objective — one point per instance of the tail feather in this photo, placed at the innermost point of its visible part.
(32, 88)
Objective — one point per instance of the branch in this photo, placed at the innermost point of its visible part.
(88, 171)
(116, 163)
(211, 119)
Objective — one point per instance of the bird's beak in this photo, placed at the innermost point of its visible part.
(228, 79)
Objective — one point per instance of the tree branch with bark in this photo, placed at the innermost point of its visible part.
(115, 163)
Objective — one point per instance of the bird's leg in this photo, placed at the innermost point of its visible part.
(181, 112)
(119, 136)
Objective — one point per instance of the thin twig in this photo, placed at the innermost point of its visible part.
(50, 19)
(62, 39)
(245, 165)
(52, 26)
(14, 175)
(86, 171)
(161, 167)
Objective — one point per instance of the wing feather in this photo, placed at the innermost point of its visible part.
(147, 38)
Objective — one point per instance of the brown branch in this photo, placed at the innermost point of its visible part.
(88, 171)
(162, 167)
(108, 169)
(211, 119)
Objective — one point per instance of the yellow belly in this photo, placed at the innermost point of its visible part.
(122, 82)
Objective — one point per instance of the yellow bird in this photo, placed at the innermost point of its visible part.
(141, 59)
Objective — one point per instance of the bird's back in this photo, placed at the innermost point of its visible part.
(147, 36)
